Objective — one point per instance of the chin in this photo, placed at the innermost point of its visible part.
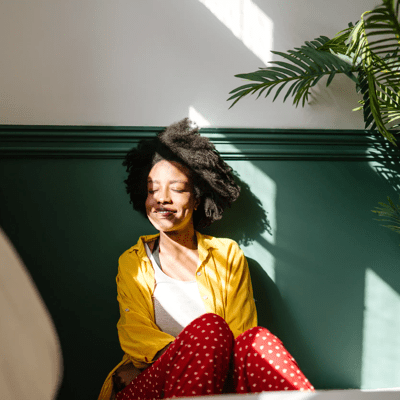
(168, 225)
(163, 227)
(168, 229)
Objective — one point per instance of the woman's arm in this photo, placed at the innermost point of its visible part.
(139, 336)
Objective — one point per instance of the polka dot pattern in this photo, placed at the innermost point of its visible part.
(197, 363)
(261, 363)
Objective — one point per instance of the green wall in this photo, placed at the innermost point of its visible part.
(326, 276)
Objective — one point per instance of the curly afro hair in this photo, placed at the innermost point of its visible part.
(213, 179)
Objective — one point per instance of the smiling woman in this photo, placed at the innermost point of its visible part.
(186, 299)
(170, 201)
(170, 205)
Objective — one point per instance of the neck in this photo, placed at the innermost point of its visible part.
(174, 241)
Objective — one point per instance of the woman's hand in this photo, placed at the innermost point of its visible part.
(161, 352)
(124, 375)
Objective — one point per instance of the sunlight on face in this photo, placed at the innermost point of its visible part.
(170, 199)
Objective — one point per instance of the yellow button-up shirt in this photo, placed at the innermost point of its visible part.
(224, 284)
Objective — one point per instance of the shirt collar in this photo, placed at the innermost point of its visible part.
(204, 243)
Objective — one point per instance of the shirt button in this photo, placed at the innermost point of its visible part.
(205, 297)
(199, 273)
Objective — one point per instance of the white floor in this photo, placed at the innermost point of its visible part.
(350, 394)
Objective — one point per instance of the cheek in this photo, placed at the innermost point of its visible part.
(148, 204)
(190, 205)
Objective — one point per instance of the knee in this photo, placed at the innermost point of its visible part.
(257, 334)
(259, 342)
(257, 337)
(210, 320)
(213, 329)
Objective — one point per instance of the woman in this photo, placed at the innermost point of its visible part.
(188, 323)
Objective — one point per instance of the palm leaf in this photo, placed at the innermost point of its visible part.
(374, 104)
(338, 44)
(302, 68)
(389, 213)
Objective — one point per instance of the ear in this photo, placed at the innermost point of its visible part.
(197, 202)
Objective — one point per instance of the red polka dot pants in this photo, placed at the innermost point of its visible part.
(201, 357)
(261, 363)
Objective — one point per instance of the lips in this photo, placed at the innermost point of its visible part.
(165, 212)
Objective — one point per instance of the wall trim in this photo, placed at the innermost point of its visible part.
(113, 142)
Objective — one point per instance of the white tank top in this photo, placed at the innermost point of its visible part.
(176, 303)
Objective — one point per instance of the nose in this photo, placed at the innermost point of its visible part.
(163, 196)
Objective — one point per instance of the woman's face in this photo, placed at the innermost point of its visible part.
(170, 198)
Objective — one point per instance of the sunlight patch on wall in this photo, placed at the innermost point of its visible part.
(247, 22)
(197, 118)
(387, 173)
(265, 189)
(381, 334)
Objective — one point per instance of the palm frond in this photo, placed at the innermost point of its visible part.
(338, 44)
(390, 213)
(374, 47)
(302, 68)
(375, 36)
(375, 104)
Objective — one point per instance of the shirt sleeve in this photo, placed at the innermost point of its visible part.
(240, 312)
(139, 336)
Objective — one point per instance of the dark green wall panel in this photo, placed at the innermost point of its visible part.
(69, 218)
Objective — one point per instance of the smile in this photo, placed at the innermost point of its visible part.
(165, 213)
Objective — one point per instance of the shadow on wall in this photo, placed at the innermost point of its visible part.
(245, 221)
(388, 166)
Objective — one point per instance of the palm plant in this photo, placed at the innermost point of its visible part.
(367, 53)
